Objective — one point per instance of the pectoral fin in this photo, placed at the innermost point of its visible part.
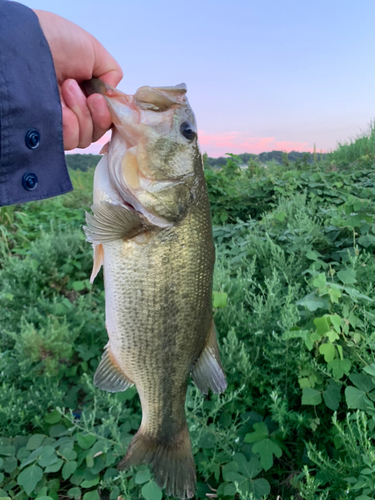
(112, 222)
(109, 376)
(208, 372)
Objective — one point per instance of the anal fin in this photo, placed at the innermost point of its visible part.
(208, 372)
(109, 376)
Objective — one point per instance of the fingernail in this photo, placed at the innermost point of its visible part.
(75, 91)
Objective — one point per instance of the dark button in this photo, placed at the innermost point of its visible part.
(29, 181)
(32, 139)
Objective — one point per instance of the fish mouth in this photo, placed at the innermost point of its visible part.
(133, 187)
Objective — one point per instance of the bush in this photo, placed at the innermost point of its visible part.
(293, 305)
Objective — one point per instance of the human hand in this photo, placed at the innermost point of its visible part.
(78, 56)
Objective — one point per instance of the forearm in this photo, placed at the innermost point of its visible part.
(31, 140)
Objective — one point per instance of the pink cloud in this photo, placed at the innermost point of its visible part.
(221, 143)
(242, 142)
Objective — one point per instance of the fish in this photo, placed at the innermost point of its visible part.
(151, 229)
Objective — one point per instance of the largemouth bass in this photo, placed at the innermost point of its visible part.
(151, 229)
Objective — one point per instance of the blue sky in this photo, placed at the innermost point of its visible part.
(261, 75)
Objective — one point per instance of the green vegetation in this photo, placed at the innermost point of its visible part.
(294, 307)
(276, 156)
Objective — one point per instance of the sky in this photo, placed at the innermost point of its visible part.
(262, 75)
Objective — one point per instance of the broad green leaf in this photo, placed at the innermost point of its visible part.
(68, 454)
(35, 441)
(45, 498)
(78, 285)
(142, 476)
(339, 367)
(299, 334)
(315, 337)
(54, 467)
(91, 495)
(347, 276)
(332, 336)
(280, 216)
(207, 440)
(68, 469)
(219, 299)
(29, 478)
(334, 295)
(58, 430)
(47, 456)
(304, 382)
(312, 302)
(74, 493)
(362, 381)
(336, 322)
(22, 453)
(260, 432)
(34, 455)
(266, 450)
(332, 395)
(88, 483)
(10, 465)
(258, 487)
(7, 450)
(311, 397)
(85, 441)
(53, 418)
(232, 477)
(370, 369)
(151, 491)
(312, 255)
(228, 469)
(322, 325)
(328, 351)
(356, 398)
(340, 351)
(249, 468)
(320, 281)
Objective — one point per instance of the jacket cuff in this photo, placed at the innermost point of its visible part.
(32, 160)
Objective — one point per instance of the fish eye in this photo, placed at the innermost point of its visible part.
(187, 131)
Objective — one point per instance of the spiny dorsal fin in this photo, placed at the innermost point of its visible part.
(109, 376)
(208, 372)
(112, 222)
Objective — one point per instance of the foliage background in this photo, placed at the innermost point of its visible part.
(294, 307)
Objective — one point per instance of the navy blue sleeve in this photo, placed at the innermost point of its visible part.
(32, 161)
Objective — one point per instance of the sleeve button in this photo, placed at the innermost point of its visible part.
(29, 181)
(32, 139)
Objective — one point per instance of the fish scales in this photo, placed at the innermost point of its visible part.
(167, 308)
(151, 229)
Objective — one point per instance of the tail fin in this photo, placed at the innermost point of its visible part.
(171, 462)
